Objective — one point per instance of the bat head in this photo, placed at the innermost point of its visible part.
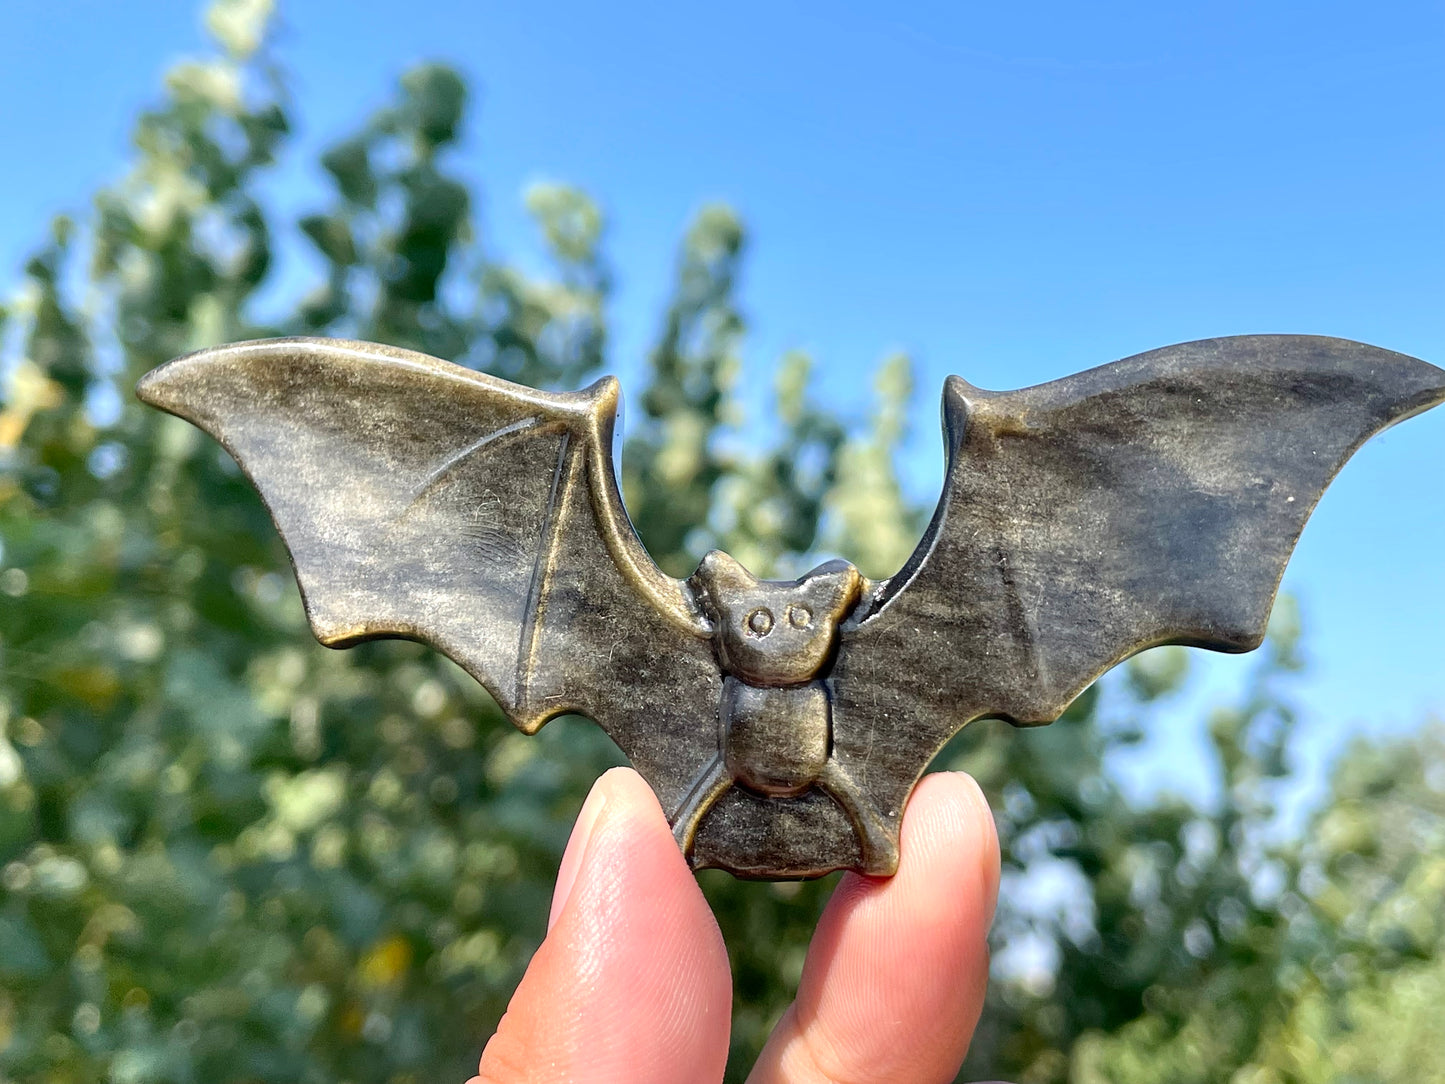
(772, 632)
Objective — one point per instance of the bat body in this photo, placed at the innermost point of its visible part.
(774, 642)
(783, 724)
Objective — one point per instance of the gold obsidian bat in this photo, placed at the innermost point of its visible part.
(783, 725)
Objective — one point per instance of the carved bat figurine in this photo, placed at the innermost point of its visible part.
(783, 725)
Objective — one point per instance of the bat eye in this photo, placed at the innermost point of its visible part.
(760, 621)
(800, 617)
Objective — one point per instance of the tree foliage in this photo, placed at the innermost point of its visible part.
(228, 854)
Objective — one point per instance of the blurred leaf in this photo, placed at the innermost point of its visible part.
(1158, 672)
(228, 854)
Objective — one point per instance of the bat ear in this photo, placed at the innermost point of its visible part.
(833, 586)
(719, 574)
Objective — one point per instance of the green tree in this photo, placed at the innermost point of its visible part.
(1349, 946)
(228, 854)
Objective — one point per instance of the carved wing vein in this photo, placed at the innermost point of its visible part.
(477, 445)
(541, 575)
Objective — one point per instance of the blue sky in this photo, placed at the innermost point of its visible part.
(1009, 192)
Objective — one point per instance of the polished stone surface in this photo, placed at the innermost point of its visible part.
(784, 724)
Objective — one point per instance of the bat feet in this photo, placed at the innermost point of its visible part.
(878, 846)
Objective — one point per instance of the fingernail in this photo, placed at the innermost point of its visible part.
(576, 850)
(986, 818)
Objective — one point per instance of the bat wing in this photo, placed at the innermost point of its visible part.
(426, 501)
(1154, 500)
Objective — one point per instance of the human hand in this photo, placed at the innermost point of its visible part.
(631, 985)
